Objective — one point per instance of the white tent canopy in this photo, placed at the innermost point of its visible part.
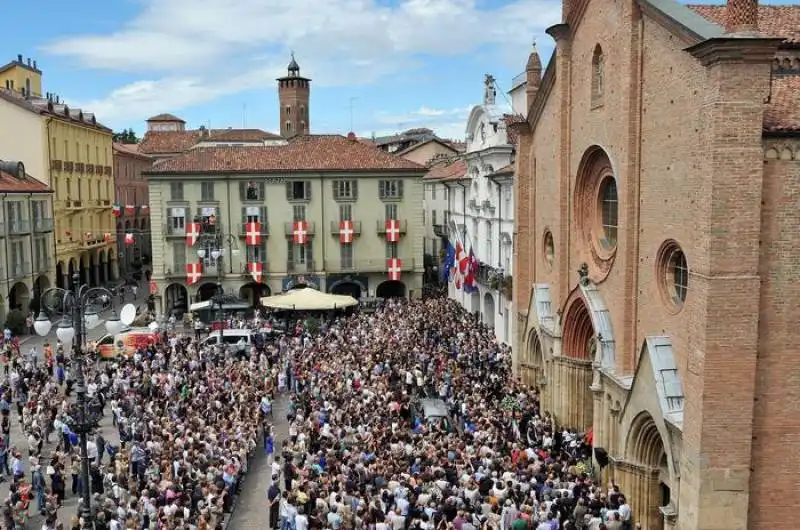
(307, 299)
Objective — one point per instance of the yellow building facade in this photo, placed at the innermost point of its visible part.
(78, 168)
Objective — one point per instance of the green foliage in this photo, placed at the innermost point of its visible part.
(15, 321)
(126, 136)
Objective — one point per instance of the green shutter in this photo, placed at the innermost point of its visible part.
(289, 191)
(335, 188)
(400, 189)
(382, 189)
(354, 188)
(244, 215)
(262, 216)
(242, 190)
(308, 190)
(262, 191)
(309, 252)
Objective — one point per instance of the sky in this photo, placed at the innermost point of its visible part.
(377, 66)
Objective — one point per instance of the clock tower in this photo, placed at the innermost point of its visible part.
(293, 95)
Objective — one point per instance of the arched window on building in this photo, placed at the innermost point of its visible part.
(598, 72)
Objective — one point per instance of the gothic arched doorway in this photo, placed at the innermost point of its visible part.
(532, 365)
(645, 449)
(578, 346)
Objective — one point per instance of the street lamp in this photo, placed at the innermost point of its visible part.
(77, 310)
(213, 246)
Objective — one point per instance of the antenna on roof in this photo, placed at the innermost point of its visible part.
(350, 107)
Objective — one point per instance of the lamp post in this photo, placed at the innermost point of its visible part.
(76, 308)
(213, 246)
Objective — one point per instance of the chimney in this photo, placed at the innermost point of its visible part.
(34, 66)
(29, 62)
(741, 16)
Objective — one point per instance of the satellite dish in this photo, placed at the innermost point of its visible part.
(128, 314)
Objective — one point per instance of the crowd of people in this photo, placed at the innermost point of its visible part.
(360, 453)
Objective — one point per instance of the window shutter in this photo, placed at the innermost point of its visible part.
(289, 250)
(309, 252)
(335, 188)
(264, 248)
(262, 191)
(262, 216)
(382, 189)
(400, 189)
(308, 190)
(289, 191)
(242, 190)
(354, 189)
(244, 214)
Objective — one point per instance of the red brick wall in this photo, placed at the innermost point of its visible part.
(777, 414)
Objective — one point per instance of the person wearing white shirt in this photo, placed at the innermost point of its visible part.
(300, 520)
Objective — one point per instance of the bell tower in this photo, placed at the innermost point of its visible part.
(294, 92)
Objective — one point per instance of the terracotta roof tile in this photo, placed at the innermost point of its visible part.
(241, 135)
(167, 142)
(782, 113)
(447, 171)
(165, 117)
(302, 153)
(170, 142)
(11, 184)
(130, 149)
(505, 170)
(773, 20)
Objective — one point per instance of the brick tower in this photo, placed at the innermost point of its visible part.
(293, 96)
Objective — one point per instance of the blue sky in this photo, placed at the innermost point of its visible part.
(402, 63)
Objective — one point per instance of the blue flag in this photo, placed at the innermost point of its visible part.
(448, 263)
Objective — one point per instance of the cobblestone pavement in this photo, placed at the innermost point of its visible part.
(252, 507)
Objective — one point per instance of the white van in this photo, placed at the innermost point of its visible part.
(230, 336)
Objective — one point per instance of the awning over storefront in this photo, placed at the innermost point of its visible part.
(308, 300)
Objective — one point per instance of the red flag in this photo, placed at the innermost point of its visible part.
(395, 267)
(252, 234)
(194, 271)
(130, 209)
(346, 231)
(192, 233)
(300, 232)
(129, 240)
(256, 269)
(392, 230)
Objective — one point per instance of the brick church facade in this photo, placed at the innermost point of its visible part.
(657, 252)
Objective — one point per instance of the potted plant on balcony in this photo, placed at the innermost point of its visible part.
(508, 285)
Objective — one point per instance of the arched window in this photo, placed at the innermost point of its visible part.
(598, 72)
(288, 126)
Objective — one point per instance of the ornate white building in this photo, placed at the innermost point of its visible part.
(481, 212)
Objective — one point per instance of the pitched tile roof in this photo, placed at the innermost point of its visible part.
(447, 171)
(414, 147)
(170, 142)
(773, 20)
(167, 142)
(165, 117)
(505, 170)
(46, 107)
(782, 113)
(129, 149)
(301, 153)
(11, 184)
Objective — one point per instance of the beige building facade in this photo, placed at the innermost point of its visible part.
(331, 212)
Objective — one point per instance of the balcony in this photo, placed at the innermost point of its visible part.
(69, 167)
(90, 169)
(19, 227)
(381, 226)
(106, 170)
(335, 228)
(366, 265)
(245, 272)
(93, 240)
(473, 204)
(105, 202)
(20, 269)
(300, 268)
(440, 230)
(56, 164)
(80, 167)
(75, 204)
(174, 231)
(487, 205)
(264, 229)
(289, 228)
(43, 225)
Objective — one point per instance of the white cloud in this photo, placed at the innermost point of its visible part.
(194, 44)
(446, 123)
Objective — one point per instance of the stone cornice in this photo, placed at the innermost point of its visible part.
(731, 49)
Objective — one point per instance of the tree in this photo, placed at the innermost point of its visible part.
(126, 136)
